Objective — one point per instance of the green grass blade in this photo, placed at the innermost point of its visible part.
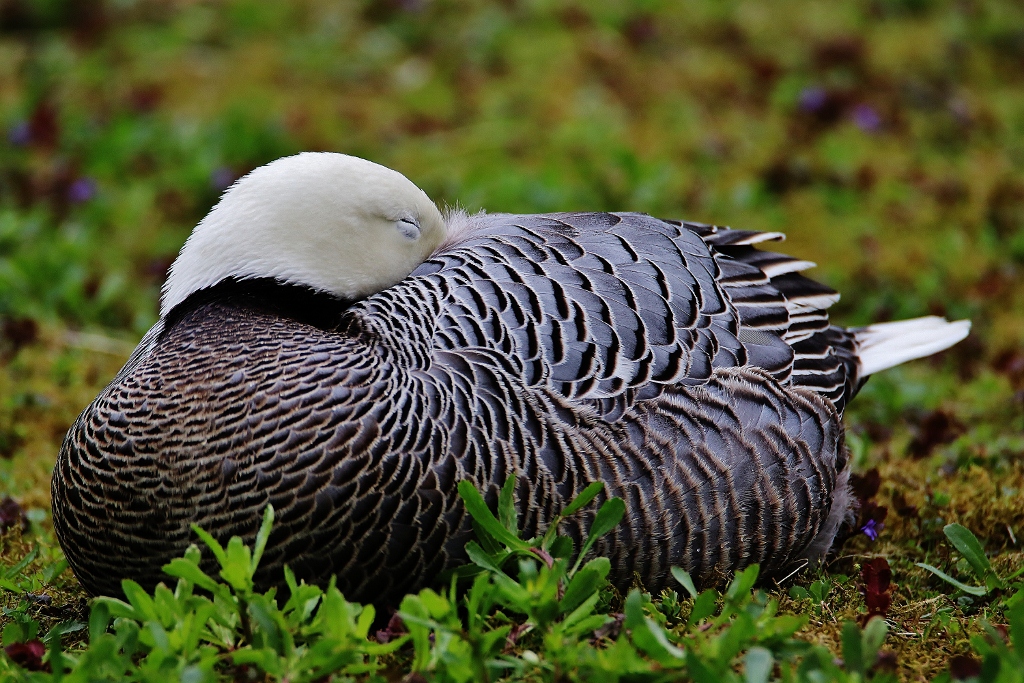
(19, 566)
(972, 590)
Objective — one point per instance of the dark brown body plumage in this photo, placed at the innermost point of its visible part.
(695, 375)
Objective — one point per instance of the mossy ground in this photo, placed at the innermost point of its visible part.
(885, 137)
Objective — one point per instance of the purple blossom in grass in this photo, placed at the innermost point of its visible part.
(20, 134)
(813, 98)
(81, 190)
(872, 529)
(866, 118)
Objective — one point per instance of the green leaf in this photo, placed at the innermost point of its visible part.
(1015, 617)
(56, 655)
(607, 517)
(480, 558)
(758, 664)
(561, 547)
(968, 545)
(853, 652)
(487, 542)
(181, 568)
(13, 633)
(648, 635)
(605, 520)
(700, 671)
(703, 606)
(414, 616)
(236, 568)
(515, 595)
(161, 641)
(261, 537)
(365, 621)
(99, 620)
(683, 577)
(494, 640)
(874, 636)
(742, 583)
(118, 608)
(588, 581)
(139, 599)
(481, 514)
(972, 590)
(586, 495)
(507, 506)
(53, 571)
(437, 606)
(211, 543)
(582, 611)
(266, 616)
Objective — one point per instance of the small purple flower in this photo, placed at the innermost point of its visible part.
(872, 529)
(866, 118)
(20, 134)
(81, 190)
(222, 177)
(813, 98)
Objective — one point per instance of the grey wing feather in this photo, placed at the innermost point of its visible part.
(609, 308)
(595, 305)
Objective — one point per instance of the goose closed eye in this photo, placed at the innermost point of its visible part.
(409, 228)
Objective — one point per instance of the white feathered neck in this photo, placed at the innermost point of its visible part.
(333, 222)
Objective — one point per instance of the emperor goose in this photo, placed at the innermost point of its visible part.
(330, 343)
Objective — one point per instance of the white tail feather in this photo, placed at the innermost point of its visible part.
(885, 345)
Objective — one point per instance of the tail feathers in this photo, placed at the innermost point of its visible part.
(885, 345)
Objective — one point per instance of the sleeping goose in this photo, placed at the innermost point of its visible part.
(332, 344)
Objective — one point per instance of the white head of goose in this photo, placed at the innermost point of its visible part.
(325, 348)
(332, 222)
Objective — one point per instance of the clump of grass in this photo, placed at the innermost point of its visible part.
(523, 610)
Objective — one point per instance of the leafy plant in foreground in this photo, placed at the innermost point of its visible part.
(182, 635)
(526, 609)
(565, 636)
